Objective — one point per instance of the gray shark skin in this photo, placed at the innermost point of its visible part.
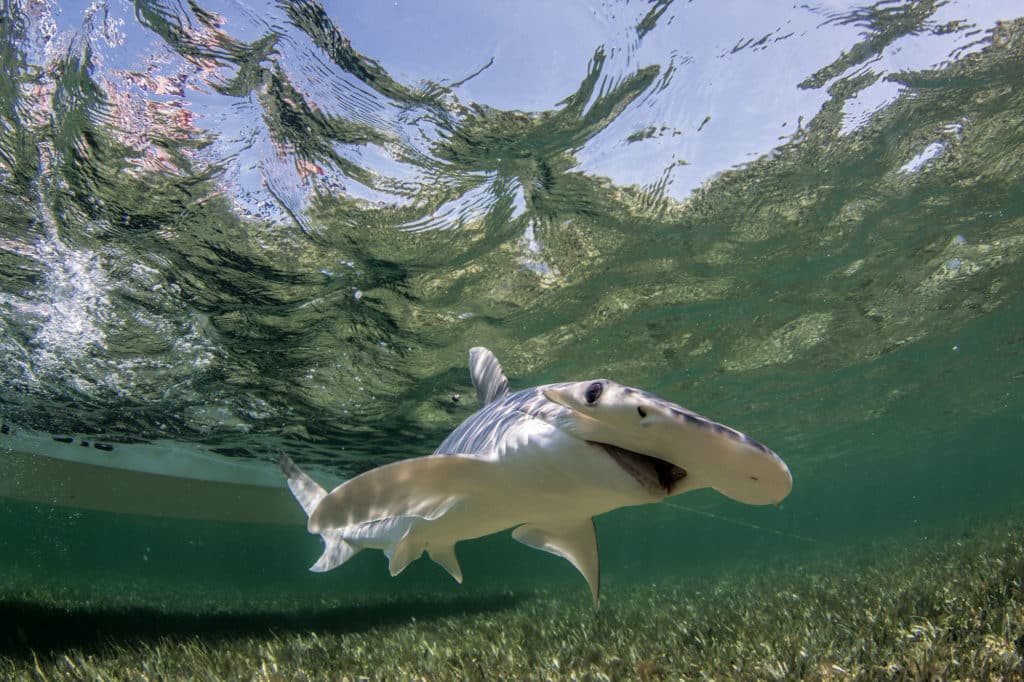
(543, 461)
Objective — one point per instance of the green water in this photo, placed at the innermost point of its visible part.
(281, 227)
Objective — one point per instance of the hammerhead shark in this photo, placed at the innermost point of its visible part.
(544, 461)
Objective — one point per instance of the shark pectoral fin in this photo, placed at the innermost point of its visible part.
(576, 542)
(489, 380)
(336, 552)
(446, 557)
(406, 551)
(425, 487)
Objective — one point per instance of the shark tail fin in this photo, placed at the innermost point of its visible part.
(336, 552)
(309, 494)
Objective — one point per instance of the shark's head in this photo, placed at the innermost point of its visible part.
(682, 449)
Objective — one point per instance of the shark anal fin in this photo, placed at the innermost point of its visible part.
(576, 542)
(445, 556)
(336, 552)
(424, 487)
(489, 380)
(407, 550)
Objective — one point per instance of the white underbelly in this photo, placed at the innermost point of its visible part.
(545, 475)
(542, 476)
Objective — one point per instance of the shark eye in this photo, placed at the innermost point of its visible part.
(641, 411)
(593, 392)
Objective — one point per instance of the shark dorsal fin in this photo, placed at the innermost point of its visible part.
(489, 381)
(576, 542)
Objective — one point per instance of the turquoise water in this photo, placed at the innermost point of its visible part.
(246, 229)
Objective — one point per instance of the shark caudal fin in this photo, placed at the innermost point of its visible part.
(309, 494)
(336, 552)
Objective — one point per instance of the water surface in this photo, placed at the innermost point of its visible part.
(259, 227)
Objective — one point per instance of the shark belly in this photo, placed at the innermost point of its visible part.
(536, 477)
(545, 474)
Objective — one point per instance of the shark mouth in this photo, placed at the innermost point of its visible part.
(652, 473)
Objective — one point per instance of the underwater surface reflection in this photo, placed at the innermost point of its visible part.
(230, 230)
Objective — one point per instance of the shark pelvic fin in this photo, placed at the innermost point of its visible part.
(424, 487)
(446, 557)
(489, 380)
(576, 542)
